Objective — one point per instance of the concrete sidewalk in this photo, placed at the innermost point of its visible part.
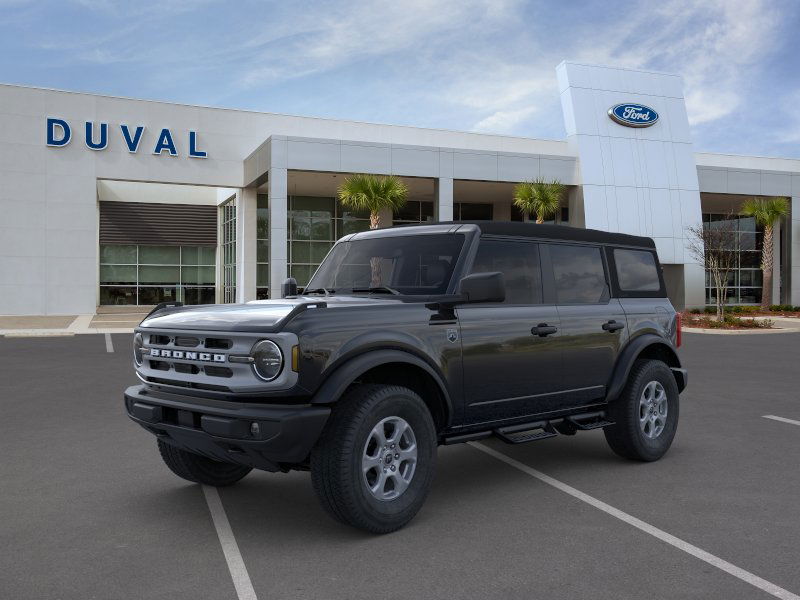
(780, 325)
(66, 325)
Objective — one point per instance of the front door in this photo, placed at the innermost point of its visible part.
(593, 325)
(511, 355)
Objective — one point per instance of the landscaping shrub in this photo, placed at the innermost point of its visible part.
(783, 308)
(696, 319)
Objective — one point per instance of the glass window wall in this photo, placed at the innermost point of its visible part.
(413, 212)
(745, 280)
(315, 223)
(152, 274)
(228, 250)
(262, 248)
(468, 211)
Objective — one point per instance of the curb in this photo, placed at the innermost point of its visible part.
(737, 331)
(30, 333)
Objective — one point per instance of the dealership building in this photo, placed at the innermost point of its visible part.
(113, 201)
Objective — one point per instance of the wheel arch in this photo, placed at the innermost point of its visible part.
(390, 367)
(645, 346)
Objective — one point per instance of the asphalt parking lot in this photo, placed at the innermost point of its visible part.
(89, 511)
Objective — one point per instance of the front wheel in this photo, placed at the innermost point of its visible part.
(374, 463)
(645, 414)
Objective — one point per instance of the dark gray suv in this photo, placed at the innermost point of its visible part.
(411, 337)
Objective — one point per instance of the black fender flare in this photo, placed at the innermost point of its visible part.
(631, 352)
(337, 382)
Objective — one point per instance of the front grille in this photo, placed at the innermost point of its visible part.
(218, 344)
(218, 371)
(187, 368)
(190, 359)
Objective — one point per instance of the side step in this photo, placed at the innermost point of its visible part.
(589, 421)
(527, 432)
(524, 436)
(541, 430)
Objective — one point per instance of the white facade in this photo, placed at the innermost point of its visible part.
(638, 180)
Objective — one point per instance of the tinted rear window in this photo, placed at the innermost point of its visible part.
(636, 271)
(579, 274)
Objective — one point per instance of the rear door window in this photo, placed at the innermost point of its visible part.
(579, 273)
(636, 270)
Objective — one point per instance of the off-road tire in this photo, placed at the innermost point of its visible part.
(626, 437)
(199, 469)
(336, 467)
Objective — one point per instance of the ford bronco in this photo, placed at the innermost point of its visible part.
(411, 337)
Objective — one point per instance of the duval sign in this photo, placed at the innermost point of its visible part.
(633, 115)
(59, 134)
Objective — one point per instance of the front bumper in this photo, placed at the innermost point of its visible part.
(225, 431)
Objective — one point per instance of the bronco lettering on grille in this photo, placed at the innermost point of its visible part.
(182, 354)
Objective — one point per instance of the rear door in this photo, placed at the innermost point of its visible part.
(511, 357)
(593, 324)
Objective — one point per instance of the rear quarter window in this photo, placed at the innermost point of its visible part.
(637, 271)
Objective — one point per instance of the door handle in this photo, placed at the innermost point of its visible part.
(612, 326)
(543, 330)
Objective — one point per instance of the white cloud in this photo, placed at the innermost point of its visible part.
(319, 41)
(504, 121)
(485, 65)
(714, 45)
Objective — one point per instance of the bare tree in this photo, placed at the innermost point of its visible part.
(714, 246)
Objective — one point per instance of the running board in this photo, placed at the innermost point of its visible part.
(541, 430)
(522, 437)
(588, 421)
(526, 432)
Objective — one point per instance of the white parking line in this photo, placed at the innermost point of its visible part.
(782, 419)
(109, 343)
(241, 580)
(678, 543)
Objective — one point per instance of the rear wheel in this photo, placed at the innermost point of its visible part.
(199, 469)
(374, 463)
(645, 414)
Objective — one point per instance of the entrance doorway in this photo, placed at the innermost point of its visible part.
(157, 243)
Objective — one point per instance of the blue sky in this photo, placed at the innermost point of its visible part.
(478, 65)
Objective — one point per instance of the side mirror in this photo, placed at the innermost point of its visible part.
(289, 287)
(483, 287)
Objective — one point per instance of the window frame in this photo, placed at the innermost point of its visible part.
(617, 290)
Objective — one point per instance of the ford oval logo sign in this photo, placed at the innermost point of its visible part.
(633, 115)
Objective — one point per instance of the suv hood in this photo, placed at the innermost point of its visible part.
(259, 315)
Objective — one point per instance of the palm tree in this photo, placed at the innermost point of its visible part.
(373, 193)
(766, 211)
(539, 197)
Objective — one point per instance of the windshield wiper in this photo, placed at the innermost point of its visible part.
(320, 290)
(378, 289)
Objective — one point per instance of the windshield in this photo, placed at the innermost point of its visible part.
(409, 264)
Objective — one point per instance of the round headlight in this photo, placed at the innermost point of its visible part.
(138, 343)
(268, 360)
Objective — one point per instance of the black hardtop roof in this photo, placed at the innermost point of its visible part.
(560, 232)
(514, 229)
